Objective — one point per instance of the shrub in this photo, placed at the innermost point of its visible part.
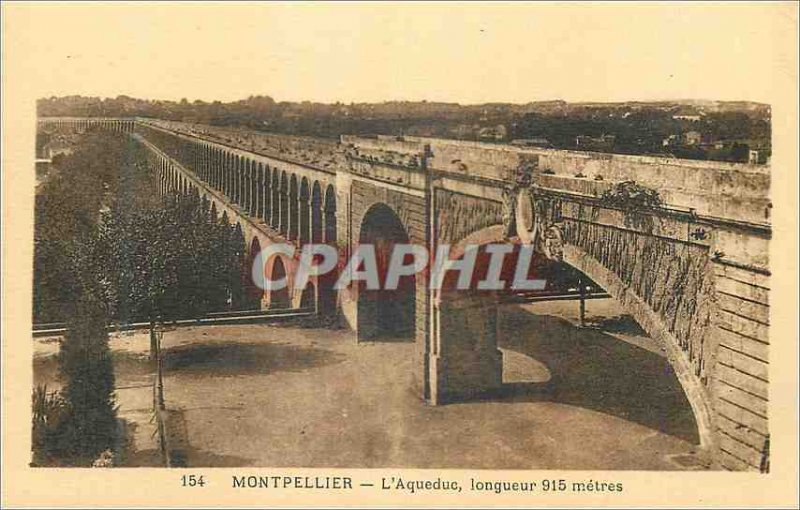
(629, 195)
(49, 423)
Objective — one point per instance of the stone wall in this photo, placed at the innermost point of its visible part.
(740, 378)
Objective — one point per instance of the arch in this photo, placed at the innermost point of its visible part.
(248, 201)
(316, 213)
(255, 189)
(227, 178)
(283, 205)
(294, 215)
(266, 194)
(308, 299)
(237, 185)
(253, 293)
(275, 212)
(216, 168)
(244, 184)
(278, 298)
(330, 215)
(304, 214)
(650, 321)
(239, 271)
(385, 313)
(261, 194)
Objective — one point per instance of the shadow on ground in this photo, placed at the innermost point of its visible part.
(127, 366)
(184, 455)
(617, 324)
(132, 457)
(594, 370)
(234, 358)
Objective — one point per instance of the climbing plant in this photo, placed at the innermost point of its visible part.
(636, 201)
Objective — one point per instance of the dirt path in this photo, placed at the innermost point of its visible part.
(602, 397)
(577, 399)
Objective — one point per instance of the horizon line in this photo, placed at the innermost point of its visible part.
(384, 101)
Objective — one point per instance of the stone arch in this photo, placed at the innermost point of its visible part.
(275, 212)
(238, 176)
(550, 243)
(385, 313)
(238, 295)
(294, 215)
(304, 213)
(216, 162)
(253, 293)
(247, 176)
(479, 238)
(255, 189)
(653, 324)
(262, 183)
(250, 188)
(229, 175)
(244, 171)
(283, 198)
(308, 298)
(276, 269)
(330, 215)
(316, 213)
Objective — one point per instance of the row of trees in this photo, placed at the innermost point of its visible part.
(110, 249)
(101, 225)
(178, 261)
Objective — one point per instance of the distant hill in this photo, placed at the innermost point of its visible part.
(689, 128)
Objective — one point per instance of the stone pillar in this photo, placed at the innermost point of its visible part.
(464, 361)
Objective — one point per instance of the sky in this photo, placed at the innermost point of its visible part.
(466, 53)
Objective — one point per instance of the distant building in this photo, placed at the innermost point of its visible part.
(689, 114)
(670, 140)
(715, 145)
(692, 137)
(590, 143)
(692, 117)
(758, 157)
(495, 133)
(531, 142)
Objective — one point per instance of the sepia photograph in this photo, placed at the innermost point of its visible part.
(395, 249)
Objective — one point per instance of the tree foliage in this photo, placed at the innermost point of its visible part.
(170, 263)
(638, 128)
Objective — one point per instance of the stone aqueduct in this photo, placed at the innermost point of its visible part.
(693, 272)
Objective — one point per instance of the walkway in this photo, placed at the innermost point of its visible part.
(286, 396)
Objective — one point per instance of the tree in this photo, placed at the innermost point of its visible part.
(86, 366)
